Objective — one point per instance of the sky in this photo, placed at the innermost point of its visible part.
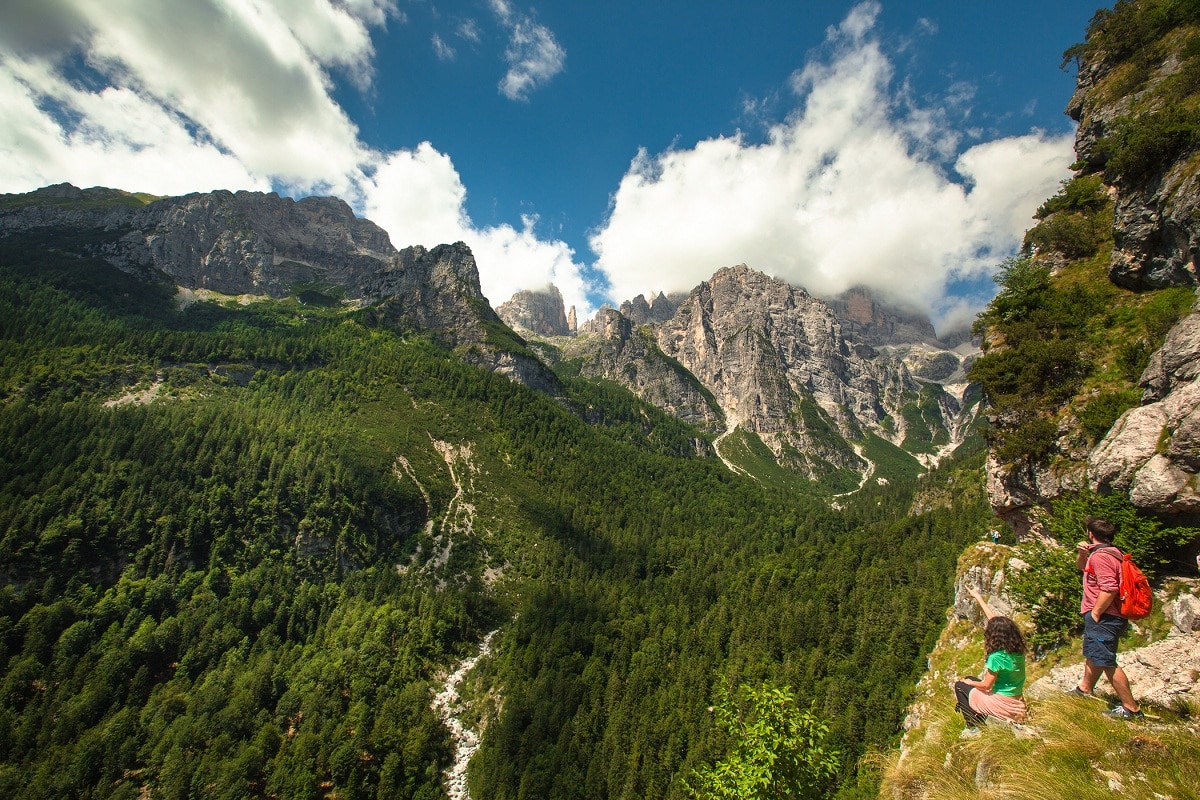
(611, 148)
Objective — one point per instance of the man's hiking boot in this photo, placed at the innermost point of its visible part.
(1121, 712)
(1077, 692)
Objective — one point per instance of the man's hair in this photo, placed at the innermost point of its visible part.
(1001, 633)
(1102, 529)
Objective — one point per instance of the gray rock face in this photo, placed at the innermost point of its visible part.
(1156, 229)
(776, 361)
(868, 321)
(746, 350)
(612, 347)
(1153, 451)
(254, 243)
(643, 312)
(539, 312)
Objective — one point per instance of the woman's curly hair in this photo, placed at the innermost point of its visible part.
(1002, 633)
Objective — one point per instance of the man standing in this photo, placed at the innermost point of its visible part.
(1103, 624)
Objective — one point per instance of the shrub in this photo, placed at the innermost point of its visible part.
(1098, 416)
(778, 749)
(1074, 235)
(1139, 147)
(1082, 193)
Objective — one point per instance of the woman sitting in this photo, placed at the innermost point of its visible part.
(999, 692)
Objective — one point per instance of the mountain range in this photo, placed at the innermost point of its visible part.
(832, 392)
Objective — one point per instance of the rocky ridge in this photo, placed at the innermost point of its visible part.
(251, 243)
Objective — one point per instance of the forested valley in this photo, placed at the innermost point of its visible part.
(242, 544)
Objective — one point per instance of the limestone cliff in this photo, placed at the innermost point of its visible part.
(541, 313)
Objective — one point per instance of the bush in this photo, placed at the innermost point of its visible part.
(1072, 234)
(1082, 193)
(1049, 590)
(1140, 147)
(1098, 416)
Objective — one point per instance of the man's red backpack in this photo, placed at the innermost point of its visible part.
(1134, 597)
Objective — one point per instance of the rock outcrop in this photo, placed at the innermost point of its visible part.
(613, 348)
(1156, 228)
(541, 313)
(1153, 451)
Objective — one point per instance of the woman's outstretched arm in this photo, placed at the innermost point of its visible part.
(987, 610)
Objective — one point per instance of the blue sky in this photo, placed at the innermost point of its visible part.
(610, 147)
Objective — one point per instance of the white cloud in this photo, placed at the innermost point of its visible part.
(443, 51)
(122, 140)
(533, 55)
(245, 81)
(418, 198)
(849, 190)
(469, 29)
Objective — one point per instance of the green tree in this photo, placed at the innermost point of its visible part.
(778, 749)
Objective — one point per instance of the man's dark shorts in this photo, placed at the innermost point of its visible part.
(1100, 638)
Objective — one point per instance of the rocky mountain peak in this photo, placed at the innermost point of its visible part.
(642, 312)
(878, 324)
(747, 351)
(540, 312)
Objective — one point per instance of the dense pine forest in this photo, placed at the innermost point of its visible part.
(242, 544)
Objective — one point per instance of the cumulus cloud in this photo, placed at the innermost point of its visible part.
(851, 189)
(534, 56)
(246, 81)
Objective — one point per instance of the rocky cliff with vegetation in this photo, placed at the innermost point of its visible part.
(263, 245)
(1090, 366)
(1092, 344)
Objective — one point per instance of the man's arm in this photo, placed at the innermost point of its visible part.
(1082, 551)
(1103, 601)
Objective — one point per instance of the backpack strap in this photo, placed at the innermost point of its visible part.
(1115, 553)
(1119, 555)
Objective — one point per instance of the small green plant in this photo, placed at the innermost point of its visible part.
(778, 749)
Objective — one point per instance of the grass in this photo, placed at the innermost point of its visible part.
(1069, 750)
